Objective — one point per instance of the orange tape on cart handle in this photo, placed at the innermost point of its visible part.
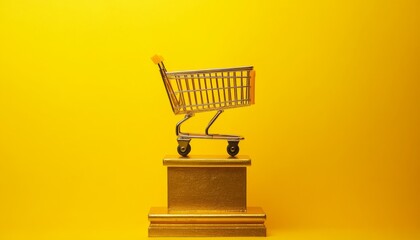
(157, 59)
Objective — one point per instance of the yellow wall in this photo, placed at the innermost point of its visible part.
(85, 122)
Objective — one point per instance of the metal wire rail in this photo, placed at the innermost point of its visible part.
(194, 91)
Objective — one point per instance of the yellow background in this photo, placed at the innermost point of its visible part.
(85, 121)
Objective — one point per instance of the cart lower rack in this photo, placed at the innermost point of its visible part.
(195, 91)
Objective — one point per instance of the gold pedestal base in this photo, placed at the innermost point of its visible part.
(167, 223)
(206, 198)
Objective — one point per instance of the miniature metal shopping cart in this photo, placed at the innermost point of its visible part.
(195, 91)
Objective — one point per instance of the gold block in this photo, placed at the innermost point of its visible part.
(207, 182)
(168, 223)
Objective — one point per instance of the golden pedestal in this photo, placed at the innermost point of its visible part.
(206, 197)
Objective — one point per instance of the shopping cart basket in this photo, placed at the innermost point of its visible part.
(195, 91)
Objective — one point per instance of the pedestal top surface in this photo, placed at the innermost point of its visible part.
(206, 161)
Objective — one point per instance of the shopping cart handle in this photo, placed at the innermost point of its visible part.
(157, 59)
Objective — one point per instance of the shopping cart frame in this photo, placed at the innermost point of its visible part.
(219, 92)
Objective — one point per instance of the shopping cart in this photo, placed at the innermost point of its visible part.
(195, 91)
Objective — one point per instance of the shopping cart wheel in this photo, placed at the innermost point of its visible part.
(183, 151)
(233, 148)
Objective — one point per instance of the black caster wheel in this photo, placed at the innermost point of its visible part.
(183, 151)
(232, 149)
